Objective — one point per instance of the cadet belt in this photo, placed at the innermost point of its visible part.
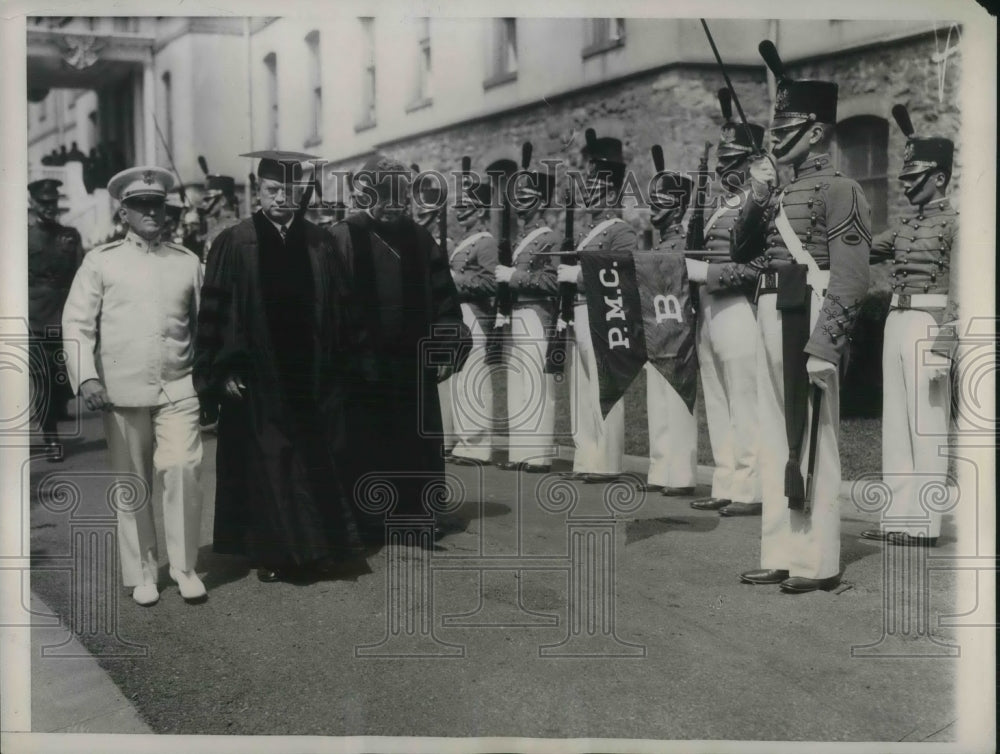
(918, 301)
(767, 282)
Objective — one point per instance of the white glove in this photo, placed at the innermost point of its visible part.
(503, 273)
(820, 371)
(697, 270)
(568, 273)
(763, 171)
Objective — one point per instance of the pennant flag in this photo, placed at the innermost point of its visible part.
(668, 318)
(615, 315)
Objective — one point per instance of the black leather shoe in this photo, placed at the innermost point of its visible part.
(903, 539)
(463, 461)
(742, 509)
(510, 466)
(269, 575)
(876, 534)
(535, 468)
(598, 478)
(710, 503)
(54, 453)
(336, 568)
(763, 576)
(571, 476)
(802, 585)
(647, 487)
(678, 491)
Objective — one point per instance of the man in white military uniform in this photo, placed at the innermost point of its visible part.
(132, 308)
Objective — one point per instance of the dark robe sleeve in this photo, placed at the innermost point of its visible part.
(446, 311)
(221, 349)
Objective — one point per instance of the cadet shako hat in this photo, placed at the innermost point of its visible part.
(141, 181)
(45, 189)
(280, 165)
(737, 139)
(922, 153)
(603, 146)
(670, 189)
(534, 183)
(429, 190)
(224, 185)
(806, 100)
(476, 193)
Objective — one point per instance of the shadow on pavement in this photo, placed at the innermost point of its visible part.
(644, 528)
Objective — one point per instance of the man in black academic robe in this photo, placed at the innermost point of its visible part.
(405, 333)
(267, 353)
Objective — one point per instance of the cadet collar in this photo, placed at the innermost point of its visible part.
(937, 207)
(538, 222)
(607, 214)
(813, 165)
(141, 243)
(672, 231)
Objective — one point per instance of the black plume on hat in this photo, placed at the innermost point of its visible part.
(902, 117)
(771, 57)
(657, 152)
(726, 103)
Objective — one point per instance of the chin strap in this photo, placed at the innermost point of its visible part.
(918, 187)
(782, 151)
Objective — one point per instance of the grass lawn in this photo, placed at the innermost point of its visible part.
(860, 439)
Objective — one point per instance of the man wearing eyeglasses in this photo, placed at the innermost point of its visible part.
(132, 311)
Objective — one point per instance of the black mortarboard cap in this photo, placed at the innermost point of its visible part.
(808, 99)
(279, 165)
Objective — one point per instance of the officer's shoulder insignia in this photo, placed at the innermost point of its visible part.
(853, 229)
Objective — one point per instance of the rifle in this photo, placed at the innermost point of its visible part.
(504, 300)
(555, 355)
(166, 148)
(696, 225)
(443, 223)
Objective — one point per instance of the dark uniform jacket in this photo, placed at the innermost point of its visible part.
(473, 267)
(724, 275)
(54, 254)
(921, 251)
(533, 283)
(830, 215)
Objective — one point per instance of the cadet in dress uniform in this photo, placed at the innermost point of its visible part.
(133, 308)
(599, 440)
(817, 236)
(727, 331)
(532, 280)
(219, 208)
(54, 253)
(916, 396)
(467, 403)
(673, 430)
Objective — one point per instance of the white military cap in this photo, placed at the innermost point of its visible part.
(140, 181)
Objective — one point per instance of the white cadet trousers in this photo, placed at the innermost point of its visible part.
(727, 357)
(915, 416)
(805, 544)
(599, 441)
(467, 400)
(673, 434)
(530, 392)
(166, 439)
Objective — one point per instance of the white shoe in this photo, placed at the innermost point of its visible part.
(146, 594)
(190, 585)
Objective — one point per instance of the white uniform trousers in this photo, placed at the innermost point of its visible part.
(915, 416)
(530, 392)
(727, 357)
(673, 434)
(599, 441)
(164, 438)
(467, 400)
(804, 544)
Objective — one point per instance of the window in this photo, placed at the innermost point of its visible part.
(503, 64)
(168, 110)
(366, 118)
(603, 34)
(315, 90)
(863, 154)
(271, 64)
(422, 88)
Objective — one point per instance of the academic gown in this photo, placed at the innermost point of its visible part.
(271, 313)
(403, 319)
